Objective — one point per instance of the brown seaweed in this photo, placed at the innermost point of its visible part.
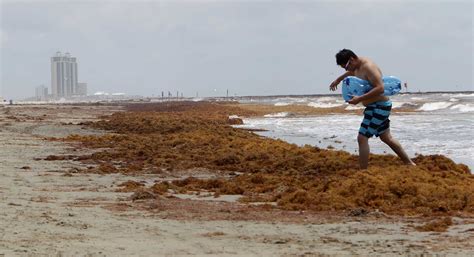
(187, 135)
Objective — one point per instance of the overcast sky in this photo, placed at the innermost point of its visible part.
(247, 47)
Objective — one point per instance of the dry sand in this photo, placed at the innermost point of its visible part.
(48, 209)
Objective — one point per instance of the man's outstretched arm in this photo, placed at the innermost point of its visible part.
(336, 82)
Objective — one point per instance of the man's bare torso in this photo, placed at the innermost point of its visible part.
(367, 67)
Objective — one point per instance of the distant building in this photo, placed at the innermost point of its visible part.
(63, 75)
(81, 89)
(41, 93)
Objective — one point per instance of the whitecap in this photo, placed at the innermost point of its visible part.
(323, 105)
(454, 100)
(354, 107)
(276, 115)
(397, 104)
(281, 104)
(463, 95)
(325, 99)
(434, 106)
(463, 107)
(404, 104)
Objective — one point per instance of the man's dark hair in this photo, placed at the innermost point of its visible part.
(343, 56)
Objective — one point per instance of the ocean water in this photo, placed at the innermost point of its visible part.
(437, 123)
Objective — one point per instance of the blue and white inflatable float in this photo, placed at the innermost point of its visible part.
(354, 86)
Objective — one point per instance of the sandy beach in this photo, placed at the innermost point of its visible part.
(53, 208)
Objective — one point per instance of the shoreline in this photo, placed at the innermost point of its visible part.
(138, 98)
(331, 141)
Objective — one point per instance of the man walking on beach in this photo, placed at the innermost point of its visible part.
(378, 106)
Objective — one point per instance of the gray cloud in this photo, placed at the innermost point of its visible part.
(250, 48)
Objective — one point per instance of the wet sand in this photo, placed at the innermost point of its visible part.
(48, 208)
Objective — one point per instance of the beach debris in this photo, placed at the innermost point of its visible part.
(358, 212)
(439, 225)
(130, 186)
(235, 120)
(59, 158)
(185, 136)
(142, 195)
(214, 234)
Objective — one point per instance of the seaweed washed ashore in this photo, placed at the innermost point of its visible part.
(159, 137)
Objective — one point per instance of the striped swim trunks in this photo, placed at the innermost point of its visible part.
(376, 120)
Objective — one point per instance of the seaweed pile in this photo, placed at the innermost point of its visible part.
(152, 138)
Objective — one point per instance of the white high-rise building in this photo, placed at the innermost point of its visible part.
(41, 93)
(63, 75)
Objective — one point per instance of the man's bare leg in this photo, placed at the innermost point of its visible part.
(364, 151)
(387, 138)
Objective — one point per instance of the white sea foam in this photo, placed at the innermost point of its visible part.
(454, 100)
(326, 99)
(282, 104)
(276, 115)
(404, 104)
(462, 95)
(434, 106)
(397, 104)
(463, 107)
(323, 105)
(416, 98)
(354, 107)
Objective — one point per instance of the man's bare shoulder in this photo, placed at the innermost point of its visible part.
(368, 66)
(367, 63)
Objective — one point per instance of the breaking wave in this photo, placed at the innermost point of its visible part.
(277, 115)
(282, 104)
(354, 107)
(463, 107)
(434, 106)
(324, 105)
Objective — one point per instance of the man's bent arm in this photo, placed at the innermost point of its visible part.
(336, 82)
(343, 76)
